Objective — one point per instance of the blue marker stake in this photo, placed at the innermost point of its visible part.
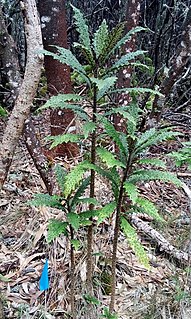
(44, 281)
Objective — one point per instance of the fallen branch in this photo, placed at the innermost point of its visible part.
(164, 245)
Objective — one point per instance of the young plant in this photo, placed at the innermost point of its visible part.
(95, 109)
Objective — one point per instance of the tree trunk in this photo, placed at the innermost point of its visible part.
(27, 90)
(124, 79)
(54, 31)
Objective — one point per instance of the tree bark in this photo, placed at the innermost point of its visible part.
(27, 90)
(54, 31)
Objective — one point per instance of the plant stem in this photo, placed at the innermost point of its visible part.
(116, 232)
(92, 194)
(72, 275)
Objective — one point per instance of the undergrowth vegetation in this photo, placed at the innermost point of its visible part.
(117, 156)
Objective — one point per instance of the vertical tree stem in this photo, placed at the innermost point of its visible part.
(92, 194)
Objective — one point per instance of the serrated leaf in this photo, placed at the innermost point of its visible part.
(134, 243)
(88, 201)
(105, 212)
(88, 128)
(148, 175)
(109, 158)
(128, 36)
(75, 243)
(152, 137)
(122, 111)
(74, 220)
(111, 42)
(132, 191)
(75, 176)
(137, 91)
(115, 135)
(149, 208)
(125, 59)
(55, 229)
(60, 173)
(65, 56)
(65, 138)
(46, 200)
(82, 28)
(103, 85)
(152, 161)
(80, 191)
(100, 38)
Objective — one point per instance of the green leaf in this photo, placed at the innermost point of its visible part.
(91, 299)
(65, 56)
(109, 158)
(103, 85)
(122, 111)
(115, 135)
(88, 201)
(136, 91)
(149, 208)
(80, 191)
(134, 243)
(82, 28)
(75, 176)
(88, 128)
(132, 191)
(128, 36)
(65, 138)
(75, 243)
(4, 279)
(148, 175)
(100, 38)
(125, 59)
(55, 229)
(86, 53)
(3, 112)
(133, 110)
(74, 220)
(60, 173)
(152, 161)
(152, 137)
(105, 212)
(113, 38)
(46, 200)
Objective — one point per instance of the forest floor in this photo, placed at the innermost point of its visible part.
(161, 292)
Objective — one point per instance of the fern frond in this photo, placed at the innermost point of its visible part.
(73, 220)
(75, 176)
(113, 38)
(133, 110)
(46, 200)
(125, 59)
(88, 128)
(128, 36)
(55, 229)
(86, 53)
(109, 158)
(60, 173)
(148, 175)
(115, 135)
(103, 85)
(123, 110)
(82, 28)
(152, 137)
(59, 101)
(136, 91)
(88, 201)
(134, 243)
(152, 161)
(105, 212)
(149, 208)
(80, 191)
(65, 138)
(65, 56)
(132, 191)
(100, 38)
